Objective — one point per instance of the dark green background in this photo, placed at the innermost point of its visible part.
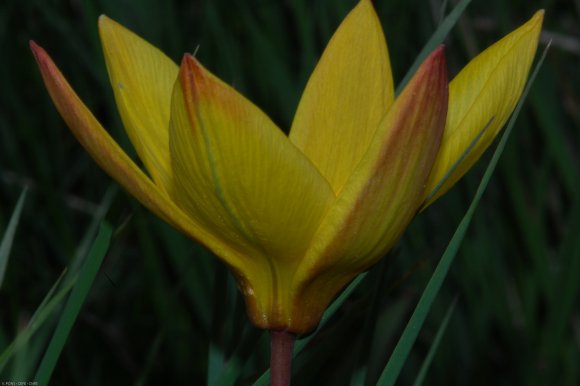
(160, 302)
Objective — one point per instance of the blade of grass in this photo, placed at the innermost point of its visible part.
(222, 342)
(46, 307)
(235, 364)
(456, 163)
(442, 14)
(73, 306)
(89, 236)
(360, 351)
(153, 352)
(6, 244)
(549, 115)
(66, 281)
(401, 351)
(433, 349)
(565, 299)
(534, 234)
(216, 351)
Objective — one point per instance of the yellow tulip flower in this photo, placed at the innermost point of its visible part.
(296, 217)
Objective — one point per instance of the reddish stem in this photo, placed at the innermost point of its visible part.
(281, 357)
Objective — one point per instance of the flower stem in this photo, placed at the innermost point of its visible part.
(281, 357)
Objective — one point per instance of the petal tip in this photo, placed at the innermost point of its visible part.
(190, 68)
(536, 21)
(106, 25)
(103, 21)
(186, 58)
(191, 79)
(437, 57)
(435, 65)
(35, 48)
(40, 55)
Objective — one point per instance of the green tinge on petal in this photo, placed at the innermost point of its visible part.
(112, 159)
(488, 88)
(383, 194)
(142, 78)
(347, 95)
(238, 175)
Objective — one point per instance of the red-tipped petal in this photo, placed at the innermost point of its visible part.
(383, 194)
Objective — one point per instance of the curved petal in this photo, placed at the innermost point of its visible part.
(239, 176)
(142, 78)
(488, 87)
(383, 194)
(111, 158)
(347, 95)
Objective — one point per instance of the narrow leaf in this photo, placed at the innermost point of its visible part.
(6, 244)
(435, 345)
(401, 352)
(434, 191)
(74, 303)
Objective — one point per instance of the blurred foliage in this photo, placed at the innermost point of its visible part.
(163, 311)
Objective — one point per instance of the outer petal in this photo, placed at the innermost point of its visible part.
(488, 87)
(382, 195)
(142, 78)
(347, 95)
(111, 157)
(238, 175)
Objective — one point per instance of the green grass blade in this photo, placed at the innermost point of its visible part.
(217, 345)
(42, 312)
(61, 287)
(150, 361)
(235, 364)
(75, 301)
(89, 236)
(215, 363)
(437, 38)
(456, 163)
(6, 244)
(442, 15)
(361, 351)
(555, 331)
(401, 352)
(433, 349)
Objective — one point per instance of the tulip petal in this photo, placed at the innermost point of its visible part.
(347, 95)
(486, 90)
(142, 78)
(384, 192)
(237, 174)
(112, 159)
